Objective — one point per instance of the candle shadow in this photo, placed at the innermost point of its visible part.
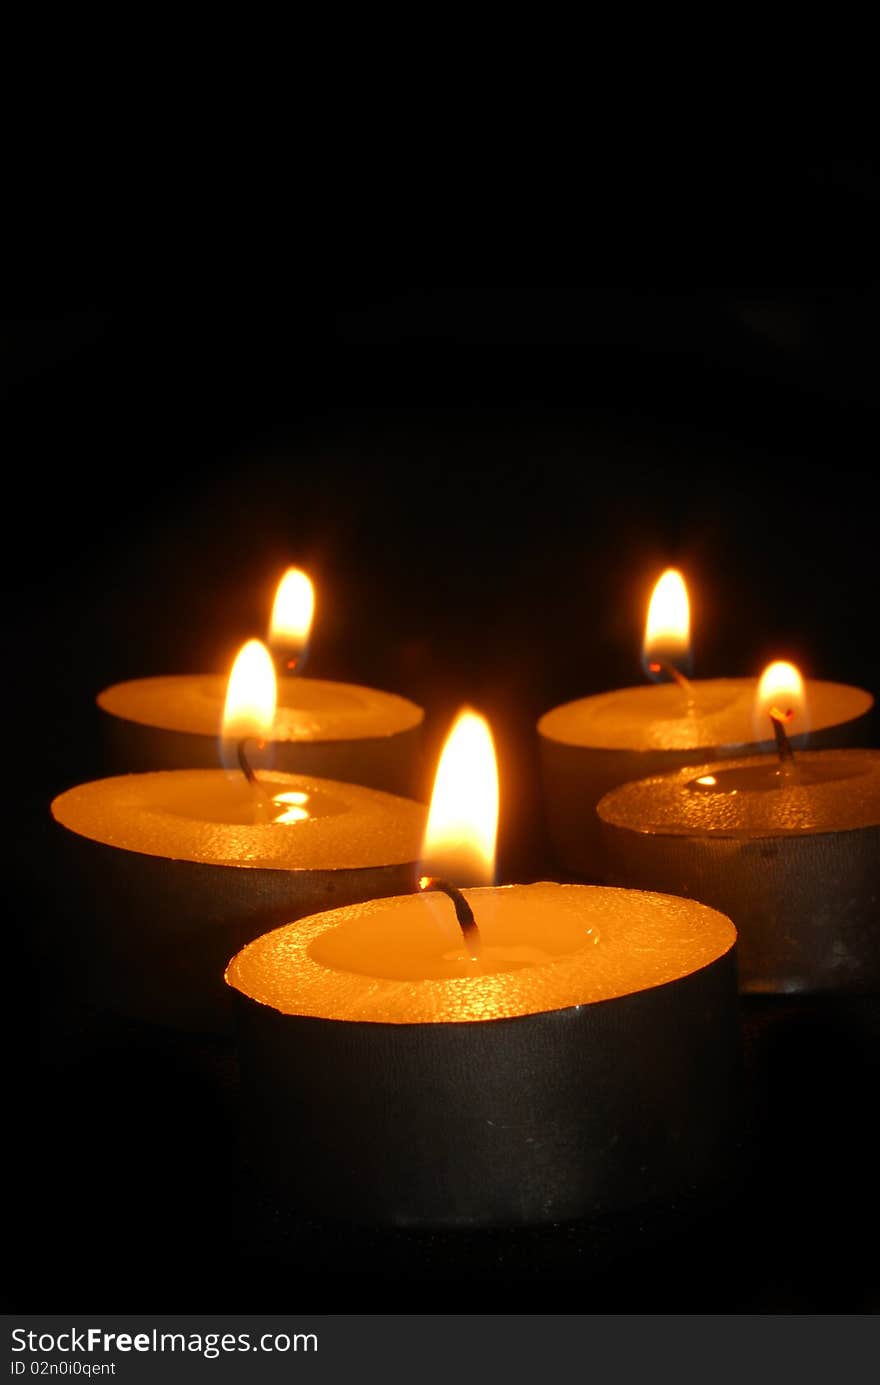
(132, 1147)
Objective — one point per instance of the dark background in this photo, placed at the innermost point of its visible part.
(484, 454)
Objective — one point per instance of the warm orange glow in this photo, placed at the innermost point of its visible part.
(781, 696)
(293, 609)
(250, 694)
(707, 779)
(462, 826)
(668, 626)
(292, 806)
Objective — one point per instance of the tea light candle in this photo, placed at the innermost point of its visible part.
(333, 730)
(580, 1056)
(585, 1062)
(591, 745)
(789, 849)
(174, 874)
(178, 868)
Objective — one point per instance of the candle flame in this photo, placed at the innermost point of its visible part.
(781, 696)
(462, 827)
(668, 627)
(250, 694)
(292, 614)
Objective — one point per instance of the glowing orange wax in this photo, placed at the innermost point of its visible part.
(544, 947)
(309, 709)
(214, 818)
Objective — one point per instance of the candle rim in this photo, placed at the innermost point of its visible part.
(634, 806)
(154, 833)
(553, 725)
(525, 1017)
(426, 996)
(404, 715)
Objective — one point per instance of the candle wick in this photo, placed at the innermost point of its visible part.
(247, 768)
(783, 744)
(664, 666)
(287, 658)
(463, 911)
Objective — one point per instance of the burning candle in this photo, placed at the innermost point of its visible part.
(590, 746)
(488, 1055)
(786, 844)
(181, 867)
(334, 730)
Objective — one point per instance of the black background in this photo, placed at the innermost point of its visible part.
(484, 453)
